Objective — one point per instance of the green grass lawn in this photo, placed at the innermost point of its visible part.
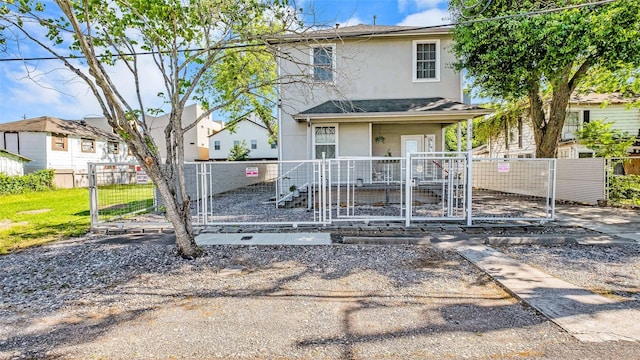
(40, 217)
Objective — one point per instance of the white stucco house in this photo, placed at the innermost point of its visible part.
(370, 91)
(12, 164)
(612, 107)
(63, 145)
(248, 130)
(196, 140)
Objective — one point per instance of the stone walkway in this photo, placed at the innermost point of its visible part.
(585, 315)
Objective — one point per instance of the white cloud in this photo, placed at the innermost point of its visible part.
(404, 5)
(52, 90)
(426, 18)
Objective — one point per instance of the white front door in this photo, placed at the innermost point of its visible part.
(412, 144)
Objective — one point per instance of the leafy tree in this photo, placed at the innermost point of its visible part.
(545, 56)
(211, 51)
(239, 152)
(603, 140)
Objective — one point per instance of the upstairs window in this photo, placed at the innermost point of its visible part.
(426, 60)
(323, 60)
(216, 145)
(254, 144)
(59, 142)
(88, 145)
(114, 147)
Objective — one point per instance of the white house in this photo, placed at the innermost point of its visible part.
(250, 131)
(12, 164)
(66, 146)
(369, 91)
(196, 142)
(614, 108)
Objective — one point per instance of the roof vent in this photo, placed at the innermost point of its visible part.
(337, 26)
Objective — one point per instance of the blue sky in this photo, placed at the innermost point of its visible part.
(45, 88)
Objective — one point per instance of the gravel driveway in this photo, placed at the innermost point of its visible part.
(81, 299)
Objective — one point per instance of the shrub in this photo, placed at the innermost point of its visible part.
(239, 152)
(41, 180)
(625, 189)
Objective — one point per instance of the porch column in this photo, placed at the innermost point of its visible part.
(469, 171)
(459, 137)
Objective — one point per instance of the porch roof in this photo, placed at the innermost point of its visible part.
(435, 109)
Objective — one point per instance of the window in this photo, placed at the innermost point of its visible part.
(59, 142)
(325, 141)
(585, 155)
(114, 147)
(254, 144)
(586, 116)
(236, 142)
(426, 60)
(216, 145)
(571, 125)
(88, 145)
(274, 145)
(323, 59)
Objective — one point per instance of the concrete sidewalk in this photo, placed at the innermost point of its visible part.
(585, 315)
(624, 223)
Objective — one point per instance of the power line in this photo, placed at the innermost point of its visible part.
(299, 39)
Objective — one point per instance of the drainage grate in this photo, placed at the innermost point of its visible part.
(246, 238)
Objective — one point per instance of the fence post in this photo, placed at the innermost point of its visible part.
(469, 173)
(93, 195)
(323, 189)
(408, 191)
(553, 191)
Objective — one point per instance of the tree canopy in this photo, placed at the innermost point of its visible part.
(214, 52)
(512, 53)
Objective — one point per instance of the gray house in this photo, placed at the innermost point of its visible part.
(368, 90)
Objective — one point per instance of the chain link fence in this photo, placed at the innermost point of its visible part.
(118, 191)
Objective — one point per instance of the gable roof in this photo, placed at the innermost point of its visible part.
(248, 119)
(10, 155)
(54, 125)
(364, 31)
(596, 99)
(421, 106)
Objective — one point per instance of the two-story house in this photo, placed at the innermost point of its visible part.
(196, 139)
(368, 90)
(63, 145)
(518, 140)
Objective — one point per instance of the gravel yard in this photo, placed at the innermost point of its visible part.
(81, 299)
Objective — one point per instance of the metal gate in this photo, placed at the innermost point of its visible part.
(437, 184)
(366, 189)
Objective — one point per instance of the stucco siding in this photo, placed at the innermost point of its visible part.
(353, 140)
(378, 68)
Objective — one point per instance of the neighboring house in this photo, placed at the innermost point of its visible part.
(66, 146)
(368, 91)
(196, 142)
(582, 109)
(255, 136)
(12, 164)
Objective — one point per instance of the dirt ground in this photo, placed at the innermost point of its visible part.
(93, 300)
